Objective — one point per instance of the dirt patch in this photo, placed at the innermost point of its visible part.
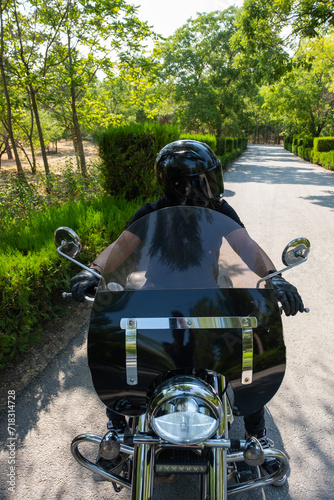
(56, 160)
(58, 332)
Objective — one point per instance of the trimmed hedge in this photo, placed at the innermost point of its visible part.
(128, 154)
(326, 160)
(318, 150)
(209, 139)
(226, 148)
(32, 274)
(323, 144)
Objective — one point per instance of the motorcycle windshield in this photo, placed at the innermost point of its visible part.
(185, 248)
(180, 295)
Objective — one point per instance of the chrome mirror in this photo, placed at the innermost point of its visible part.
(69, 246)
(67, 241)
(296, 252)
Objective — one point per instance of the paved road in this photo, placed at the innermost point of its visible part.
(278, 197)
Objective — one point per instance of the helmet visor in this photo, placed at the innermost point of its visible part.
(209, 184)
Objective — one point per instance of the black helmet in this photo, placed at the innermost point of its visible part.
(189, 170)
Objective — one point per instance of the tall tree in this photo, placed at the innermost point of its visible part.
(33, 52)
(303, 100)
(8, 123)
(199, 62)
(97, 34)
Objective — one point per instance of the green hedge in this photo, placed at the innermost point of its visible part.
(318, 150)
(323, 144)
(208, 139)
(326, 160)
(128, 154)
(32, 275)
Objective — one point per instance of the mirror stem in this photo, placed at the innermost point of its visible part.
(97, 275)
(271, 275)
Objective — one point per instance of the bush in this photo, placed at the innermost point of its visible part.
(31, 272)
(229, 144)
(288, 142)
(305, 153)
(308, 142)
(209, 139)
(128, 154)
(323, 144)
(326, 160)
(323, 152)
(19, 199)
(221, 146)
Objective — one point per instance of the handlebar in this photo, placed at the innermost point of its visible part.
(305, 310)
(65, 295)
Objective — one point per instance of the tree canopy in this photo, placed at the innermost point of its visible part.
(73, 67)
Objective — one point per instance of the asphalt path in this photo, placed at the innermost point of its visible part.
(278, 197)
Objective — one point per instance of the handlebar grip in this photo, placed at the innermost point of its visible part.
(306, 310)
(65, 295)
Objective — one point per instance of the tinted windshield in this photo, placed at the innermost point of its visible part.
(185, 248)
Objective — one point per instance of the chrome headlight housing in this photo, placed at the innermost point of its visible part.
(185, 410)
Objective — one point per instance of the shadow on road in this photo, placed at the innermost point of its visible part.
(282, 168)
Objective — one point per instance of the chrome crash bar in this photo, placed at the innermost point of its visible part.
(144, 439)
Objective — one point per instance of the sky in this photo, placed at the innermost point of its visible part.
(166, 16)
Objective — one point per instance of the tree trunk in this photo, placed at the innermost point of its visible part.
(78, 135)
(32, 94)
(9, 150)
(77, 130)
(8, 103)
(75, 145)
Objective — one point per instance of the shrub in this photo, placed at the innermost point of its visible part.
(323, 144)
(209, 139)
(308, 142)
(128, 154)
(305, 153)
(229, 144)
(326, 160)
(31, 272)
(221, 146)
(19, 199)
(288, 142)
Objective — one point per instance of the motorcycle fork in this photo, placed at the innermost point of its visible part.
(143, 464)
(214, 485)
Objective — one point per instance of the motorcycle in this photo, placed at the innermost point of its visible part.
(184, 335)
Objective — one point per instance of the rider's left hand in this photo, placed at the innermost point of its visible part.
(288, 296)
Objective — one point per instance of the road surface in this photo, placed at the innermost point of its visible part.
(279, 197)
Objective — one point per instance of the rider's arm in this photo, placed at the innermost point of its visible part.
(250, 252)
(116, 253)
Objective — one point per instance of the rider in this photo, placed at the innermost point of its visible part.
(190, 174)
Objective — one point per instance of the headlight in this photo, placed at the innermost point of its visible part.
(185, 410)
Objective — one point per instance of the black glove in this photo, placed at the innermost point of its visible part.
(84, 283)
(287, 295)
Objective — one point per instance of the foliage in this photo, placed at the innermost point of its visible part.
(32, 275)
(128, 154)
(209, 139)
(323, 144)
(318, 150)
(199, 69)
(303, 100)
(268, 30)
(53, 51)
(19, 200)
(326, 160)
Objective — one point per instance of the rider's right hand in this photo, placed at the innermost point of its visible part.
(82, 284)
